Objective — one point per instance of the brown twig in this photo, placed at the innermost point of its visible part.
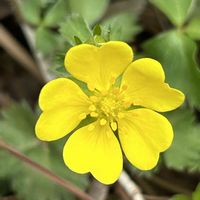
(121, 192)
(11, 197)
(12, 46)
(56, 179)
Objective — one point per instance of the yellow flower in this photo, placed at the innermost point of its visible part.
(127, 111)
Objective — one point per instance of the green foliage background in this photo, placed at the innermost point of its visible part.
(60, 24)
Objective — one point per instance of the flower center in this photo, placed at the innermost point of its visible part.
(108, 106)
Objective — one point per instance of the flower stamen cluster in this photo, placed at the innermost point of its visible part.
(109, 106)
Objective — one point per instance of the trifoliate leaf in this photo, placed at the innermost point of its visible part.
(122, 26)
(75, 26)
(192, 29)
(176, 10)
(176, 52)
(56, 13)
(31, 10)
(185, 150)
(90, 10)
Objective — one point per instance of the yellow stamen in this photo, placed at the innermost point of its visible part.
(124, 87)
(82, 116)
(94, 114)
(127, 104)
(109, 105)
(92, 107)
(103, 122)
(114, 126)
(116, 91)
(90, 86)
(94, 98)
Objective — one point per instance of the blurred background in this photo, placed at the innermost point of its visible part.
(34, 37)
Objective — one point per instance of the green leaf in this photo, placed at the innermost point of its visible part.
(17, 129)
(16, 122)
(46, 40)
(192, 29)
(61, 72)
(31, 10)
(176, 52)
(194, 11)
(75, 26)
(56, 13)
(176, 10)
(122, 26)
(77, 40)
(97, 30)
(185, 150)
(196, 193)
(90, 10)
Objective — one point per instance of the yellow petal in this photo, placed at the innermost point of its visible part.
(61, 92)
(144, 79)
(56, 123)
(94, 148)
(98, 66)
(143, 134)
(64, 105)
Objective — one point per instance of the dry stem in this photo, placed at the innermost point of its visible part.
(56, 179)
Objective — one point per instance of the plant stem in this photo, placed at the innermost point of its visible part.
(56, 179)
